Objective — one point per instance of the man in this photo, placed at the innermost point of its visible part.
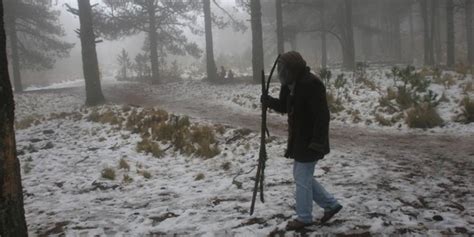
(303, 98)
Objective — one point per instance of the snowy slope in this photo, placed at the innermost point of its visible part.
(62, 159)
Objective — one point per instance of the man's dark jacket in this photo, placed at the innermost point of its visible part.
(308, 118)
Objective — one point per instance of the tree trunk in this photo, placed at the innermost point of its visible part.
(428, 48)
(469, 36)
(155, 72)
(90, 63)
(396, 36)
(450, 33)
(257, 39)
(436, 15)
(13, 37)
(412, 36)
(434, 4)
(211, 64)
(279, 24)
(348, 51)
(324, 53)
(12, 213)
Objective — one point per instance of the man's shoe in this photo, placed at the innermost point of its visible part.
(296, 225)
(329, 214)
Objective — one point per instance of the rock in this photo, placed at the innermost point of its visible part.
(48, 145)
(437, 218)
(48, 132)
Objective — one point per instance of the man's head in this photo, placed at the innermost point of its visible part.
(290, 67)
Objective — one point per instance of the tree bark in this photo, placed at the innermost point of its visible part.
(13, 37)
(90, 63)
(152, 35)
(324, 53)
(412, 36)
(12, 213)
(469, 36)
(257, 39)
(433, 29)
(428, 47)
(279, 25)
(349, 50)
(211, 64)
(450, 33)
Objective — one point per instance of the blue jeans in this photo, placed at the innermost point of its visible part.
(309, 190)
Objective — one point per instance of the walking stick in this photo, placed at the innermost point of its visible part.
(262, 157)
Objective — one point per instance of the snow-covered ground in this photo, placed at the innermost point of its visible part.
(64, 153)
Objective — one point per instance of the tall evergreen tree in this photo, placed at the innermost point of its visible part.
(90, 63)
(257, 39)
(12, 213)
(161, 20)
(211, 64)
(34, 36)
(450, 33)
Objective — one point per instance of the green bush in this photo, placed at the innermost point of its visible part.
(423, 116)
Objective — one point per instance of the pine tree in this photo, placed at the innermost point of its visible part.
(12, 213)
(125, 64)
(161, 20)
(33, 32)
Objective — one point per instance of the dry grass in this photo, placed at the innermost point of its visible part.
(226, 165)
(123, 164)
(423, 116)
(108, 173)
(199, 176)
(382, 120)
(149, 147)
(27, 122)
(127, 179)
(205, 139)
(145, 174)
(335, 105)
(467, 110)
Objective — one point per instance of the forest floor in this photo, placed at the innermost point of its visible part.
(390, 181)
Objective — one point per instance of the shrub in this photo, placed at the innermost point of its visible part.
(226, 165)
(123, 164)
(404, 98)
(145, 174)
(205, 139)
(108, 173)
(163, 132)
(199, 176)
(151, 147)
(335, 105)
(467, 110)
(28, 122)
(423, 116)
(340, 83)
(382, 120)
(325, 75)
(127, 179)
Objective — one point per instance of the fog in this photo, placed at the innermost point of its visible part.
(236, 118)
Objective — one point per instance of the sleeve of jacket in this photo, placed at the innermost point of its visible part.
(279, 105)
(320, 111)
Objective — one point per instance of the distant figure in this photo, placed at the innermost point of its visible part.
(230, 75)
(222, 74)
